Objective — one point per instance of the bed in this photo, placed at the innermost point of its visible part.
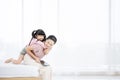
(9, 71)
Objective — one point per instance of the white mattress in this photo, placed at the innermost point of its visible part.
(13, 70)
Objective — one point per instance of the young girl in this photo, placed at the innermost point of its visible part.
(37, 35)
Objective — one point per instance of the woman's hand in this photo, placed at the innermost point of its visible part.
(37, 60)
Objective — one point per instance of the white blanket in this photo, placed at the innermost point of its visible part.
(20, 70)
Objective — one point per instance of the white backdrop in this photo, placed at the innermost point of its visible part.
(86, 30)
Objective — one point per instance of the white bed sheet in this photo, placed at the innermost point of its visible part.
(20, 70)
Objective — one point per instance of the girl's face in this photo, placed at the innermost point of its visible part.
(39, 37)
(49, 43)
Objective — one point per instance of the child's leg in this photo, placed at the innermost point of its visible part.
(8, 60)
(19, 60)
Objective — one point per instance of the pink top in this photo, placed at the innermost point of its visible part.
(38, 48)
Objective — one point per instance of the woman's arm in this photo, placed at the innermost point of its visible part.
(29, 50)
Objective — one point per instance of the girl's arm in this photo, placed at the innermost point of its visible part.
(29, 50)
(47, 50)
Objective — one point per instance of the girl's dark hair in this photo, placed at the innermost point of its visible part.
(38, 32)
(52, 37)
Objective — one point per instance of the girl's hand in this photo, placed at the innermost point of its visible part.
(47, 50)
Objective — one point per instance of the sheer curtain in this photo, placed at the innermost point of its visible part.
(84, 34)
(87, 30)
(114, 59)
(11, 28)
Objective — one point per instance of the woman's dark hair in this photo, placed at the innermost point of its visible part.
(52, 37)
(38, 32)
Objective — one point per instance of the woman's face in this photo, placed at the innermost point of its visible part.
(49, 43)
(40, 37)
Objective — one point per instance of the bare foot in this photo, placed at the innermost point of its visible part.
(8, 60)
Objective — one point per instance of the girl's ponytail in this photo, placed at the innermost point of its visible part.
(33, 36)
(30, 41)
(34, 33)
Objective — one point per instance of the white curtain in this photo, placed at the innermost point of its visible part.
(11, 27)
(87, 30)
